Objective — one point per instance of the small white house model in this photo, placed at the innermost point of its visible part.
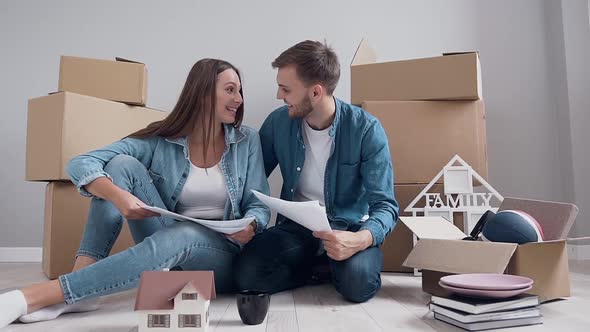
(459, 195)
(174, 300)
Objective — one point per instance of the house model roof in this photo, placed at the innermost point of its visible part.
(157, 289)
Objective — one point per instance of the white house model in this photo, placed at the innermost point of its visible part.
(174, 300)
(459, 195)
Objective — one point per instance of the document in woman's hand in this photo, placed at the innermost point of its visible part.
(222, 226)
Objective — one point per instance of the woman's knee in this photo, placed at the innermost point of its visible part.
(123, 163)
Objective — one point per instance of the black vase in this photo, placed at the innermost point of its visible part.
(253, 306)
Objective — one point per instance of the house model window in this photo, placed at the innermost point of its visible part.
(158, 320)
(189, 320)
(189, 296)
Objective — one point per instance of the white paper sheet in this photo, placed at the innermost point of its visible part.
(308, 214)
(222, 226)
(433, 228)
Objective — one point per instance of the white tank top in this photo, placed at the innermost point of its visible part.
(204, 194)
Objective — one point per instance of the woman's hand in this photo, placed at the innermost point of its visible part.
(128, 205)
(245, 235)
(131, 206)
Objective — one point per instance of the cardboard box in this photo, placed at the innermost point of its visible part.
(64, 125)
(453, 76)
(398, 245)
(424, 135)
(439, 252)
(121, 80)
(400, 242)
(66, 212)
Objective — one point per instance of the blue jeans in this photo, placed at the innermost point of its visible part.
(162, 242)
(281, 258)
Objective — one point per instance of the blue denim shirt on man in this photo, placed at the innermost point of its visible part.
(168, 164)
(359, 173)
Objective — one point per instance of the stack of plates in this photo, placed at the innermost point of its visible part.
(486, 285)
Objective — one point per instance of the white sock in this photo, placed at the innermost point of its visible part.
(53, 311)
(12, 306)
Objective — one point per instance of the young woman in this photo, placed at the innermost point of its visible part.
(199, 161)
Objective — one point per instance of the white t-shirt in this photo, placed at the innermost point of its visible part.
(318, 144)
(204, 194)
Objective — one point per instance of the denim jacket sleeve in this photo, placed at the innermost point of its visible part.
(255, 179)
(377, 174)
(89, 166)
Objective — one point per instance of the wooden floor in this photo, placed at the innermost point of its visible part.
(399, 305)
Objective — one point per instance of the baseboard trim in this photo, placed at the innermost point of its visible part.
(20, 254)
(578, 252)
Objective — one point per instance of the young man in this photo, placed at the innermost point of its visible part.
(330, 151)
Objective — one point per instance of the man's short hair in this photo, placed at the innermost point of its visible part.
(315, 63)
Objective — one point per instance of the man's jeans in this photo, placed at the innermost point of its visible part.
(281, 258)
(162, 242)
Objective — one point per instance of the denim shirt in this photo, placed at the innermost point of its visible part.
(358, 180)
(168, 165)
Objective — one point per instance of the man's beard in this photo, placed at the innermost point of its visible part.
(301, 110)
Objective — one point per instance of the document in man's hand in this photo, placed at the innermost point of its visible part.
(222, 226)
(308, 214)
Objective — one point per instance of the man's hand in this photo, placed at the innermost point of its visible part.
(341, 245)
(245, 235)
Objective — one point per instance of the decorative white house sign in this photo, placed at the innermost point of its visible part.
(458, 195)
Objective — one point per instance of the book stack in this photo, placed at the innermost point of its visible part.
(474, 314)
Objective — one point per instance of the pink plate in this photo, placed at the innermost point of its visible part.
(487, 281)
(485, 293)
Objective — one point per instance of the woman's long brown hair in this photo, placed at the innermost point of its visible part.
(197, 100)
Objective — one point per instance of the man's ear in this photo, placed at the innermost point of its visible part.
(317, 91)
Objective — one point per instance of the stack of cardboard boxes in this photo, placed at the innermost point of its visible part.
(98, 102)
(431, 109)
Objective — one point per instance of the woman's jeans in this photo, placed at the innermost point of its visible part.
(161, 242)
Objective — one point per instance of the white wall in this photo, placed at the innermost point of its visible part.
(170, 36)
(576, 27)
(520, 117)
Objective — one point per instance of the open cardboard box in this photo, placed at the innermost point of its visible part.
(452, 76)
(440, 250)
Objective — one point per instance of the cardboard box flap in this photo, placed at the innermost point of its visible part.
(433, 228)
(460, 53)
(364, 54)
(581, 241)
(458, 256)
(127, 60)
(556, 219)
